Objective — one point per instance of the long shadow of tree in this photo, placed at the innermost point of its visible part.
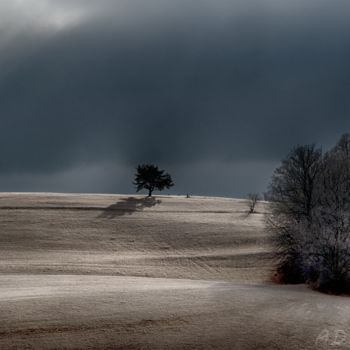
(128, 206)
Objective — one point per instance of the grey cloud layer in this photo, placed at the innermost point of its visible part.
(177, 83)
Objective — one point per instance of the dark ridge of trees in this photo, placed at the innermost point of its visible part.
(310, 217)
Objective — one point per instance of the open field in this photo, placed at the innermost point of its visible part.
(112, 271)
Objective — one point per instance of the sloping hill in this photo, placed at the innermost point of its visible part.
(165, 236)
(125, 272)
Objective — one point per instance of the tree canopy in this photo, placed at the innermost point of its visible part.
(150, 177)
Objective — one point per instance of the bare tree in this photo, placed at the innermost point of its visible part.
(253, 199)
(310, 217)
(343, 145)
(292, 192)
(330, 228)
(293, 183)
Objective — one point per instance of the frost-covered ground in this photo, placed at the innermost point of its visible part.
(111, 271)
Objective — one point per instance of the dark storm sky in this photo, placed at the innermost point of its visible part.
(215, 92)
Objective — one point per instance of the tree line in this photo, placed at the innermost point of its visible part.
(310, 216)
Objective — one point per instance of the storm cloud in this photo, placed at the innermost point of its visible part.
(215, 92)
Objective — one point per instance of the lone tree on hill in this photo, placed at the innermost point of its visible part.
(148, 176)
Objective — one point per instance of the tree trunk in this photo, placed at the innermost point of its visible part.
(149, 193)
